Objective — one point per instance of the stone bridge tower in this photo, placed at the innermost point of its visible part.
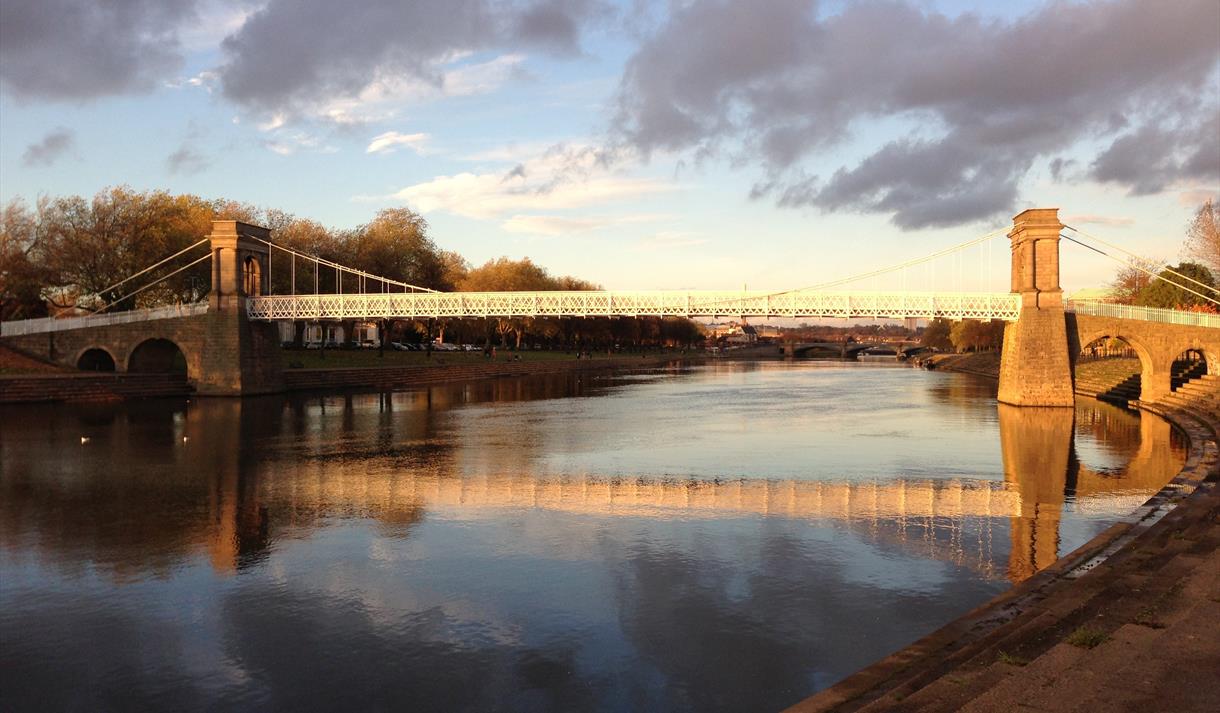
(1036, 368)
(239, 357)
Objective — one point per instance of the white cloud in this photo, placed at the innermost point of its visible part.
(669, 240)
(1195, 197)
(508, 153)
(205, 79)
(288, 143)
(552, 224)
(390, 141)
(381, 99)
(1089, 219)
(273, 123)
(564, 177)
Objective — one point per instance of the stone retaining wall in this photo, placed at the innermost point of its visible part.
(31, 388)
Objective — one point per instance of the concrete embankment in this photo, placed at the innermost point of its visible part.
(1127, 622)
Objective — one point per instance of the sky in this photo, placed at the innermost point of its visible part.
(705, 144)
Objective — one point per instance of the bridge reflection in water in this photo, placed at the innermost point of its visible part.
(298, 465)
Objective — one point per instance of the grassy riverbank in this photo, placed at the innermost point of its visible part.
(13, 363)
(981, 363)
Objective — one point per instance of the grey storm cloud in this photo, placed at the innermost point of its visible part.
(299, 51)
(83, 49)
(49, 149)
(779, 83)
(1154, 155)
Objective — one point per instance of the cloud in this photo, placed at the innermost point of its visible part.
(563, 177)
(782, 85)
(508, 153)
(390, 141)
(336, 53)
(552, 224)
(1194, 196)
(381, 97)
(1152, 157)
(286, 143)
(1107, 220)
(84, 49)
(669, 240)
(47, 151)
(186, 161)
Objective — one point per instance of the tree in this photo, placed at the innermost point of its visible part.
(936, 335)
(454, 269)
(1132, 279)
(90, 246)
(1169, 293)
(1203, 237)
(22, 274)
(395, 244)
(505, 275)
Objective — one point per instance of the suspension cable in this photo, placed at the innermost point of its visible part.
(153, 266)
(1141, 258)
(151, 284)
(909, 263)
(361, 273)
(1153, 275)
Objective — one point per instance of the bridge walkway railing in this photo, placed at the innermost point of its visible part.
(53, 324)
(1146, 314)
(661, 303)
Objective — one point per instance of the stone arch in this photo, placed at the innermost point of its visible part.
(1208, 358)
(1149, 369)
(252, 276)
(1141, 350)
(95, 359)
(157, 356)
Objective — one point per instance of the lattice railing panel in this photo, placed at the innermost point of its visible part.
(892, 305)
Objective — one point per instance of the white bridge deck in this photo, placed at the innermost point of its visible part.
(883, 305)
(667, 303)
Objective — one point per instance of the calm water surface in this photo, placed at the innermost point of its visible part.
(726, 537)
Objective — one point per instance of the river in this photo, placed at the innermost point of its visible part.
(730, 536)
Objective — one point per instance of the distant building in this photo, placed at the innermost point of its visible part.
(737, 333)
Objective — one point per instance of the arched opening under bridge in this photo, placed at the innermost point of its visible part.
(157, 356)
(1112, 367)
(1187, 366)
(95, 359)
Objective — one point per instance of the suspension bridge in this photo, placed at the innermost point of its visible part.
(228, 351)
